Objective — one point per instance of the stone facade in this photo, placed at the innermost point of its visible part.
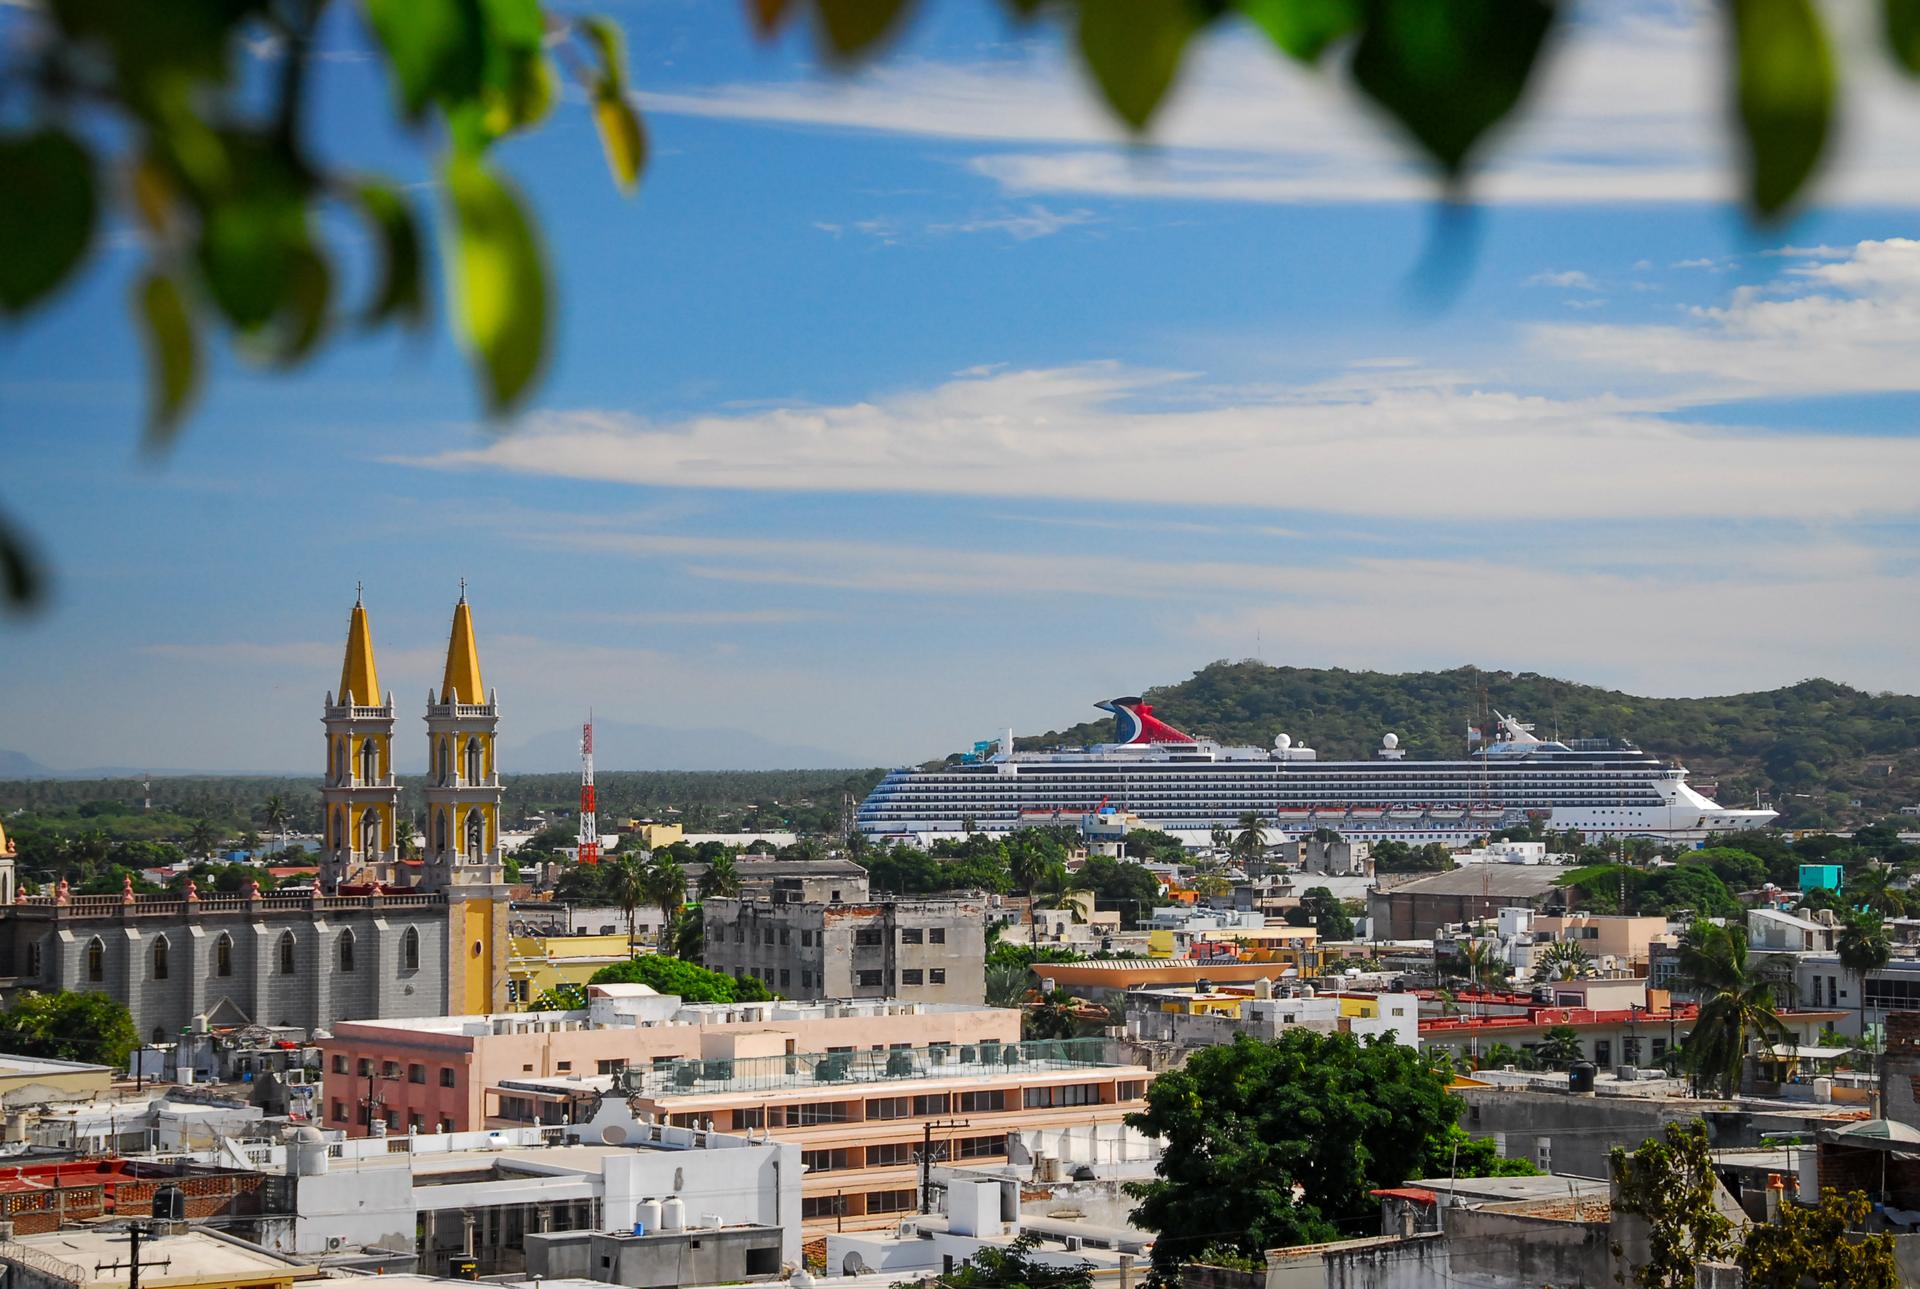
(919, 950)
(287, 959)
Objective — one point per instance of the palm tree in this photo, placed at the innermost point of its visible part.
(202, 838)
(274, 812)
(664, 884)
(1559, 1048)
(628, 886)
(1564, 960)
(1251, 843)
(1485, 966)
(1221, 838)
(1736, 1004)
(721, 878)
(403, 836)
(1006, 984)
(1056, 888)
(1869, 891)
(1863, 948)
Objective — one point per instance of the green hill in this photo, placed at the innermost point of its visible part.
(1812, 749)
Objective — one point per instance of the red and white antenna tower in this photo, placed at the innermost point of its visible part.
(589, 821)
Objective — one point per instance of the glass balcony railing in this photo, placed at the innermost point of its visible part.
(833, 1072)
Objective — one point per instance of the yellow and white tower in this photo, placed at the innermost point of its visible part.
(360, 796)
(462, 845)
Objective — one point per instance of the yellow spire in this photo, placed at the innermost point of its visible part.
(461, 684)
(359, 681)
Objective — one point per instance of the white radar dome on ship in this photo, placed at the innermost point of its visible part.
(1390, 742)
(1283, 741)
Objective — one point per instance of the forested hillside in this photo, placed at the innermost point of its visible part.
(1813, 748)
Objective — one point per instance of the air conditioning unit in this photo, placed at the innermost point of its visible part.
(908, 1230)
(335, 1243)
(1073, 1244)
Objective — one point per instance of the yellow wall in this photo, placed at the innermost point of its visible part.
(541, 963)
(477, 968)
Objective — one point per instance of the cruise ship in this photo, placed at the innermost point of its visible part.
(1187, 786)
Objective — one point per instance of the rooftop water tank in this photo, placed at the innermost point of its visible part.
(673, 1214)
(1580, 1077)
(647, 1216)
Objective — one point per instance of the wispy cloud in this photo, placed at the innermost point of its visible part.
(1570, 279)
(1024, 225)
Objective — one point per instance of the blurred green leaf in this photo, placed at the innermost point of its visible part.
(438, 48)
(402, 292)
(768, 14)
(1304, 28)
(303, 308)
(1786, 83)
(245, 260)
(519, 88)
(1900, 24)
(47, 212)
(501, 284)
(1449, 71)
(610, 43)
(173, 356)
(854, 26)
(21, 582)
(621, 135)
(1133, 49)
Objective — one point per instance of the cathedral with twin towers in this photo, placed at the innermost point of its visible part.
(361, 841)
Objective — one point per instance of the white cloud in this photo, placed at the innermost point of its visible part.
(1392, 450)
(1628, 109)
(1034, 222)
(1571, 279)
(1842, 325)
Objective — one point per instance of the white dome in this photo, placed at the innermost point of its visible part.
(1283, 741)
(1390, 742)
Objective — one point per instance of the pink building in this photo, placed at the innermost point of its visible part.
(445, 1073)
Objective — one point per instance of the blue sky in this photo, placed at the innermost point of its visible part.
(902, 407)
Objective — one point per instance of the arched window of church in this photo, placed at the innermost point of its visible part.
(223, 955)
(440, 833)
(369, 761)
(476, 835)
(370, 832)
(346, 951)
(446, 762)
(288, 954)
(96, 960)
(339, 839)
(340, 761)
(473, 760)
(410, 950)
(160, 951)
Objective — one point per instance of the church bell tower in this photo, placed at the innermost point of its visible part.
(462, 845)
(359, 795)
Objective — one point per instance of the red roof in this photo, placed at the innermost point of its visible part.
(1418, 1195)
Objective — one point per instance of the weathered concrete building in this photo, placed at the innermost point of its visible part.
(920, 950)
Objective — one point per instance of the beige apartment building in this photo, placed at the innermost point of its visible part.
(1601, 935)
(444, 1074)
(862, 1116)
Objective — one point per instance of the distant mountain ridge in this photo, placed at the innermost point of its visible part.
(619, 745)
(1812, 749)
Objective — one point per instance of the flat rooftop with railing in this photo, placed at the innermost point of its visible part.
(833, 1071)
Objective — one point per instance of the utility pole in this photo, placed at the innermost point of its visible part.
(133, 1266)
(926, 1158)
(371, 1101)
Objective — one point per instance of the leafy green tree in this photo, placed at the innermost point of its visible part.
(87, 1027)
(1320, 908)
(1736, 1005)
(1826, 1244)
(1122, 886)
(1245, 1124)
(1669, 1182)
(1012, 1266)
(692, 983)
